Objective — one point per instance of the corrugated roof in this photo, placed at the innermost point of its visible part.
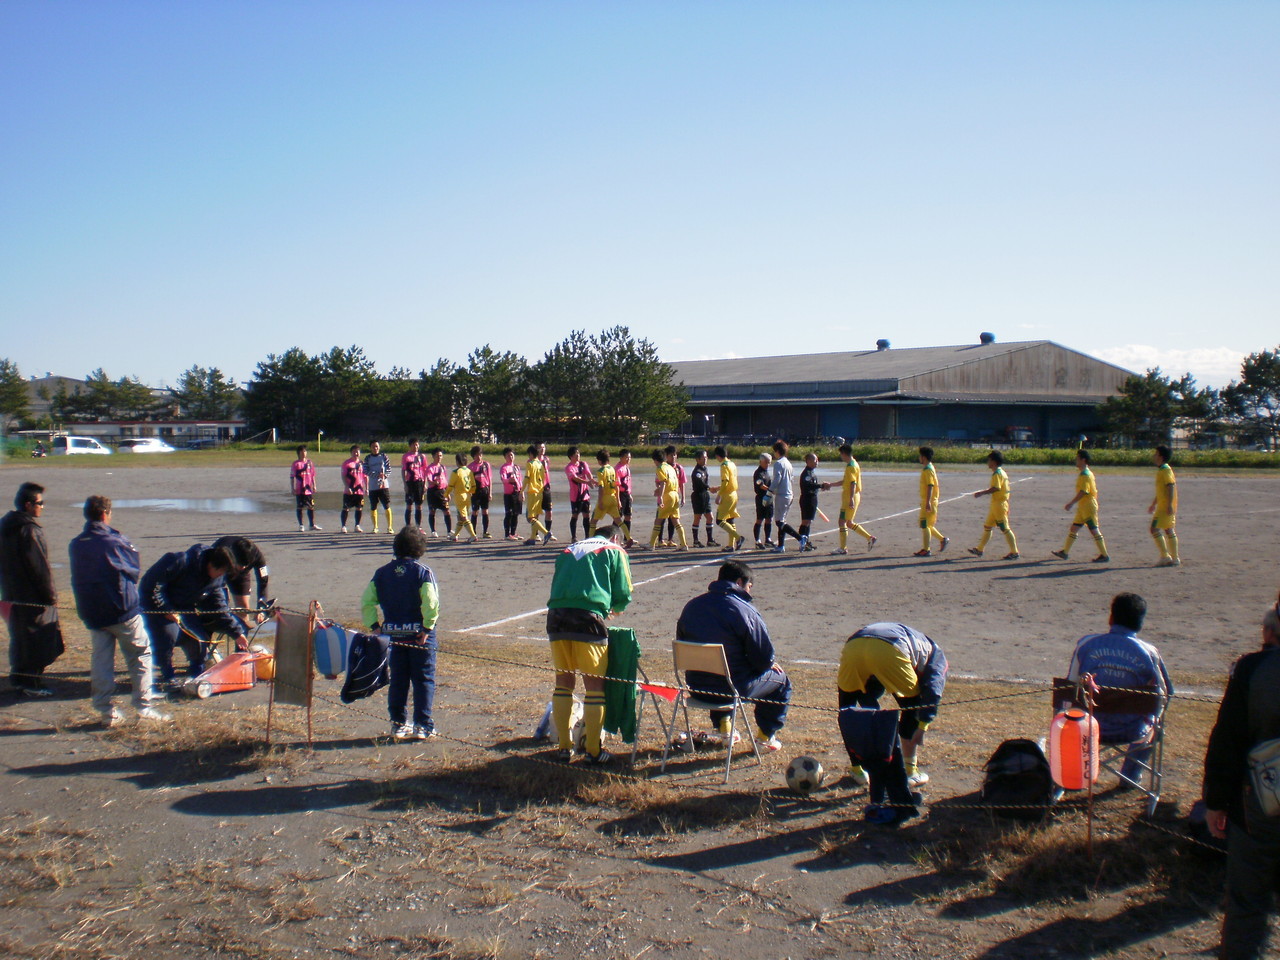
(863, 365)
(763, 399)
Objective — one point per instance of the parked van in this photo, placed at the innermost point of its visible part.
(62, 445)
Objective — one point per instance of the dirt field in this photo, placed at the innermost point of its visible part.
(203, 840)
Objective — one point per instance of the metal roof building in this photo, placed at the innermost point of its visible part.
(966, 392)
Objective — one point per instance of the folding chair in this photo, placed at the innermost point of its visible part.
(1112, 753)
(706, 658)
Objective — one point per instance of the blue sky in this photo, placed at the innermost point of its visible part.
(209, 182)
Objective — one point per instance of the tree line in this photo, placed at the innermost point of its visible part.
(609, 386)
(1151, 406)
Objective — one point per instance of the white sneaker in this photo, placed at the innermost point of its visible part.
(860, 776)
(839, 552)
(317, 529)
(111, 717)
(153, 715)
(769, 743)
(919, 778)
(402, 731)
(423, 733)
(344, 530)
(301, 528)
(359, 529)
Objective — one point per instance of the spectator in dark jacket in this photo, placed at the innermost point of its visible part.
(249, 559)
(1249, 715)
(726, 615)
(187, 590)
(104, 578)
(26, 581)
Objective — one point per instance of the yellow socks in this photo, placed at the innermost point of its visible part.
(593, 720)
(561, 716)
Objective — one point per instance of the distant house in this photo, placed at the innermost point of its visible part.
(979, 391)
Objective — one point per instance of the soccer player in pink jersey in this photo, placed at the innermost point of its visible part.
(512, 493)
(437, 475)
(354, 485)
(303, 475)
(581, 480)
(483, 474)
(413, 470)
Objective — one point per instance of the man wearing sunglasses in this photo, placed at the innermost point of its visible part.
(26, 581)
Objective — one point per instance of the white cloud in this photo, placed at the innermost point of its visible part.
(1211, 366)
(677, 339)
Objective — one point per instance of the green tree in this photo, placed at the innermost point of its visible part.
(635, 389)
(491, 391)
(1151, 405)
(348, 386)
(14, 404)
(283, 392)
(207, 394)
(102, 398)
(422, 406)
(564, 388)
(1253, 401)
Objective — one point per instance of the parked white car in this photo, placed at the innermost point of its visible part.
(66, 445)
(144, 445)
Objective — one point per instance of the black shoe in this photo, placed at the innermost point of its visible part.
(601, 759)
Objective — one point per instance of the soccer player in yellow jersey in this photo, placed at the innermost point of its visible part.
(535, 480)
(666, 488)
(998, 515)
(462, 484)
(930, 493)
(609, 504)
(1086, 503)
(1164, 510)
(850, 498)
(727, 498)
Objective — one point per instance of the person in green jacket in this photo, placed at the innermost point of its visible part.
(592, 583)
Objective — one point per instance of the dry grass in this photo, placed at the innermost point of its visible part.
(44, 854)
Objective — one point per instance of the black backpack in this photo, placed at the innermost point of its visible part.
(1018, 782)
(368, 667)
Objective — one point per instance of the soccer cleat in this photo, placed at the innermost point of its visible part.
(402, 731)
(804, 543)
(344, 530)
(1177, 561)
(433, 535)
(770, 742)
(564, 756)
(759, 545)
(453, 538)
(1060, 554)
(601, 759)
(696, 543)
(944, 544)
(1101, 558)
(919, 778)
(1166, 562)
(316, 529)
(871, 543)
(768, 541)
(975, 551)
(550, 539)
(839, 552)
(712, 543)
(153, 715)
(488, 536)
(1011, 556)
(359, 529)
(780, 548)
(473, 540)
(301, 528)
(923, 553)
(531, 542)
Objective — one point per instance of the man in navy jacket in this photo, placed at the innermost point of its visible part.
(189, 583)
(104, 578)
(726, 615)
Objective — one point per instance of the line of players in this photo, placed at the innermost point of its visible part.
(526, 490)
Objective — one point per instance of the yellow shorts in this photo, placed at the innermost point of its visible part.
(998, 514)
(848, 515)
(533, 505)
(865, 657)
(727, 508)
(1086, 515)
(928, 518)
(669, 513)
(579, 656)
(1163, 521)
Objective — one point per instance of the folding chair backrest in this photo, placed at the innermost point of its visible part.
(1108, 699)
(703, 657)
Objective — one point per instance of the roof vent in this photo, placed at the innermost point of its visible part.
(882, 344)
(986, 338)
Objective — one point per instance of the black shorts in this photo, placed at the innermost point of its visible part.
(436, 499)
(582, 506)
(568, 623)
(377, 497)
(808, 509)
(764, 511)
(624, 504)
(352, 501)
(546, 499)
(701, 503)
(414, 491)
(305, 501)
(480, 499)
(511, 503)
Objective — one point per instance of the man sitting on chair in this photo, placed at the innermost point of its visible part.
(726, 615)
(1119, 658)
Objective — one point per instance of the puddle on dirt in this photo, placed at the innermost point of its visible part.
(212, 505)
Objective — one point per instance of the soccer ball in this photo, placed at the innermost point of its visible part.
(804, 775)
